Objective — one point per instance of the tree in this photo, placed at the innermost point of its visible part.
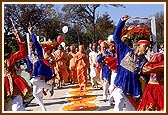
(84, 15)
(159, 27)
(104, 27)
(43, 17)
(23, 15)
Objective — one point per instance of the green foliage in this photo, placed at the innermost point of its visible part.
(84, 23)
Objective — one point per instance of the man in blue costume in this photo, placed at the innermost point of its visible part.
(106, 72)
(130, 65)
(40, 72)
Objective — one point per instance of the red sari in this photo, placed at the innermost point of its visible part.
(153, 96)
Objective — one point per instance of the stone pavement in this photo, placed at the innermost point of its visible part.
(58, 100)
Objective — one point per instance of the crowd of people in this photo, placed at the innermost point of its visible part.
(124, 74)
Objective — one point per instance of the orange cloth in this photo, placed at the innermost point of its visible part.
(82, 77)
(82, 64)
(72, 66)
(61, 58)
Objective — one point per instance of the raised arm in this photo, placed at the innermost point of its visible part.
(37, 46)
(22, 53)
(118, 29)
(122, 48)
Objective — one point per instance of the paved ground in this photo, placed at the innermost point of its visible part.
(58, 100)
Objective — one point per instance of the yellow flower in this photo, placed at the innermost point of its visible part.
(85, 98)
(80, 100)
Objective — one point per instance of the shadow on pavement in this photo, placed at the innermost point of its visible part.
(103, 108)
(52, 103)
(47, 104)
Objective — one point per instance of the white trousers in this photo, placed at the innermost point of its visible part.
(105, 89)
(111, 87)
(120, 99)
(94, 76)
(17, 103)
(38, 86)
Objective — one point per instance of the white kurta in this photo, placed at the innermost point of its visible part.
(93, 71)
(93, 62)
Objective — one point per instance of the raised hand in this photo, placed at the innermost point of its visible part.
(15, 32)
(30, 29)
(19, 37)
(126, 17)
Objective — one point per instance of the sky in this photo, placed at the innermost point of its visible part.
(140, 9)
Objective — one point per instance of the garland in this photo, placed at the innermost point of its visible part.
(81, 101)
(136, 33)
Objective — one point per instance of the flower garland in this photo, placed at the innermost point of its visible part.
(81, 101)
(83, 98)
(136, 33)
(77, 92)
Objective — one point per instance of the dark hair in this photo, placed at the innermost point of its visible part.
(94, 44)
(60, 46)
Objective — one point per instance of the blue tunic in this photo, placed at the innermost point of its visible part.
(29, 64)
(40, 68)
(125, 79)
(106, 72)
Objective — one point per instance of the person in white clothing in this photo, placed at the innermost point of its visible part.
(111, 61)
(93, 61)
(111, 87)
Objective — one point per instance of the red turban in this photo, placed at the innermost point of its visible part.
(31, 43)
(155, 64)
(146, 42)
